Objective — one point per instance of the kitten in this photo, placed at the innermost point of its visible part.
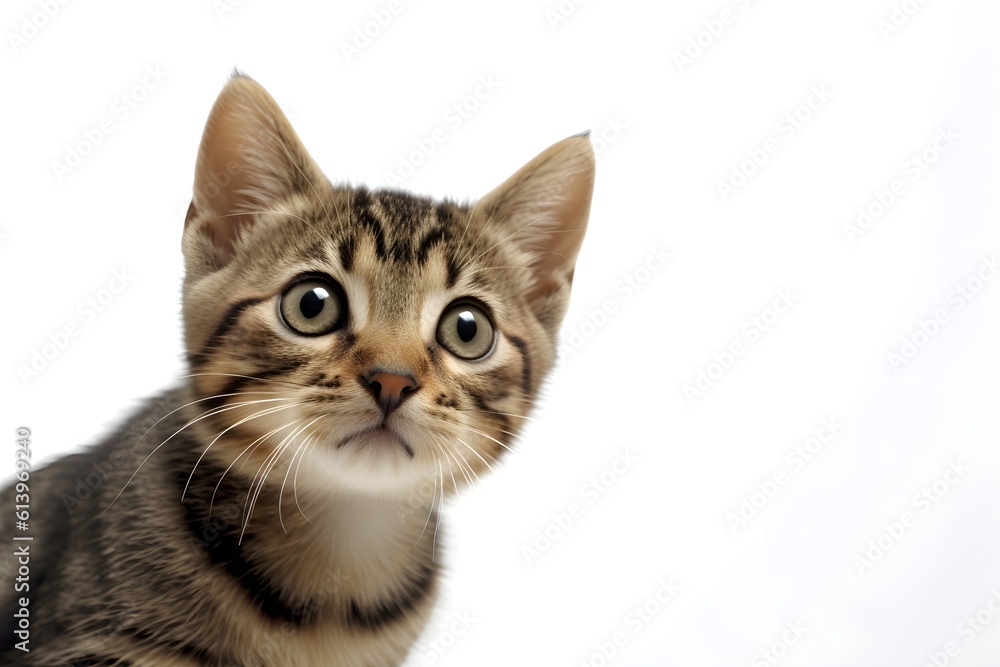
(355, 356)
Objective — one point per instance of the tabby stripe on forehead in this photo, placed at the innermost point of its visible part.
(525, 362)
(454, 270)
(431, 239)
(346, 252)
(227, 323)
(367, 219)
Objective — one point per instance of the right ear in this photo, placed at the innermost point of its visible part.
(250, 157)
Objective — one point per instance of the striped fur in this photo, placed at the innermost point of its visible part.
(261, 513)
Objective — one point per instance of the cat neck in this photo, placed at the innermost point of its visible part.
(301, 554)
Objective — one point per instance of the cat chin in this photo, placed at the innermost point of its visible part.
(368, 464)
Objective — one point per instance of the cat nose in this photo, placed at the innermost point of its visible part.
(389, 389)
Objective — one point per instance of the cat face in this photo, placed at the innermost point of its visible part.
(368, 341)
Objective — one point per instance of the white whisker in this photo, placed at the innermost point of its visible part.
(281, 493)
(259, 413)
(208, 413)
(486, 435)
(472, 449)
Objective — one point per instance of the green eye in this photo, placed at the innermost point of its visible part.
(314, 307)
(466, 331)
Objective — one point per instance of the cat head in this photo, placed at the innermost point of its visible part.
(368, 339)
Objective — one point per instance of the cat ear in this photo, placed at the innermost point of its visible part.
(249, 158)
(545, 207)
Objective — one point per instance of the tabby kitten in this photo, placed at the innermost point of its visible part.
(355, 356)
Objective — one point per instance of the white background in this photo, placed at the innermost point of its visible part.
(672, 131)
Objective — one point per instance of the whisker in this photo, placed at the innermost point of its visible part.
(518, 231)
(465, 231)
(204, 415)
(462, 468)
(452, 464)
(471, 449)
(430, 510)
(451, 468)
(259, 413)
(502, 266)
(248, 504)
(265, 210)
(437, 523)
(496, 412)
(309, 181)
(310, 441)
(265, 469)
(281, 493)
(486, 435)
(511, 433)
(207, 398)
(250, 377)
(248, 449)
(502, 240)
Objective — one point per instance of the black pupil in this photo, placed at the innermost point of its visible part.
(466, 326)
(312, 302)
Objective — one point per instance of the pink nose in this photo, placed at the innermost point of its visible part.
(389, 389)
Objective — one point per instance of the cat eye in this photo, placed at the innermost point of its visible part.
(314, 306)
(465, 330)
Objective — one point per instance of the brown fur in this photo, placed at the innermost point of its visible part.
(274, 515)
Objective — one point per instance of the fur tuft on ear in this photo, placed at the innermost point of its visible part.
(545, 206)
(249, 158)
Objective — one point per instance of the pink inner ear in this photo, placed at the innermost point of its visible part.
(559, 248)
(546, 204)
(222, 169)
(249, 157)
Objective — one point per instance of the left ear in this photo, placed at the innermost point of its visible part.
(545, 206)
(250, 158)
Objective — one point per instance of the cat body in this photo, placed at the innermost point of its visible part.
(354, 357)
(158, 582)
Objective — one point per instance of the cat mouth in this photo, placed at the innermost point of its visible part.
(377, 437)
